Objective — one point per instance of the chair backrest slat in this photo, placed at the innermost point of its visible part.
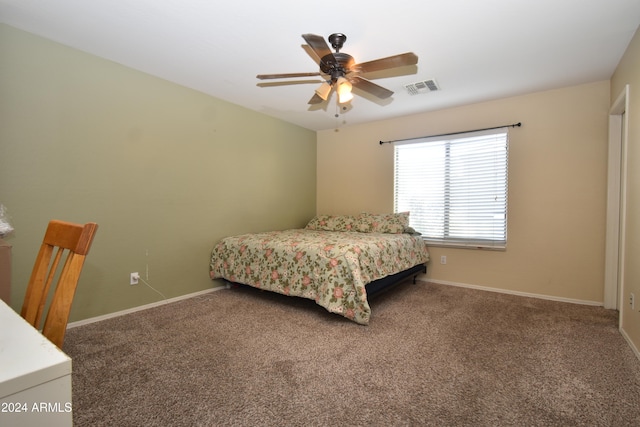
(44, 293)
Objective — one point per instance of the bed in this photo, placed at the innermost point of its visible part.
(337, 261)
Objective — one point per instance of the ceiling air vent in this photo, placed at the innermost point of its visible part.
(422, 87)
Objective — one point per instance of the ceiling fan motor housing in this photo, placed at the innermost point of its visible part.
(336, 64)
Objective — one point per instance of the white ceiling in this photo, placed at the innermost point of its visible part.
(476, 50)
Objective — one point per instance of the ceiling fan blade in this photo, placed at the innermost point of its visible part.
(401, 60)
(315, 99)
(369, 87)
(312, 54)
(318, 44)
(288, 83)
(285, 76)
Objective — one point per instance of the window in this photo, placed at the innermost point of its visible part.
(455, 187)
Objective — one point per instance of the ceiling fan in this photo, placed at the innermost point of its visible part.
(341, 72)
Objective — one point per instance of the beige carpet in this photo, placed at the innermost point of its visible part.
(432, 355)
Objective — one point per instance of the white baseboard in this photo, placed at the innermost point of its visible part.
(141, 307)
(631, 344)
(522, 294)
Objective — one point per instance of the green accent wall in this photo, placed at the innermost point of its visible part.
(164, 170)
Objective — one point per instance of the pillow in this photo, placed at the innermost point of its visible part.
(332, 223)
(382, 223)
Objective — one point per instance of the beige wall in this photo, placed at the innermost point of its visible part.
(165, 171)
(557, 187)
(628, 73)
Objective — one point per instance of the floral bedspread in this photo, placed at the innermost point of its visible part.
(329, 267)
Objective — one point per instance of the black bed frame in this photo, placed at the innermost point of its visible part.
(378, 286)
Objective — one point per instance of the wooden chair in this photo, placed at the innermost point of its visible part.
(62, 239)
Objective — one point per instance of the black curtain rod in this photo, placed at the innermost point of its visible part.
(454, 133)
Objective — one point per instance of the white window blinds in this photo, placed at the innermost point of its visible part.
(455, 187)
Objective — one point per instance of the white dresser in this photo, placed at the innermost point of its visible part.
(35, 376)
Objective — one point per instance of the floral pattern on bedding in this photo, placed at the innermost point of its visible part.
(331, 268)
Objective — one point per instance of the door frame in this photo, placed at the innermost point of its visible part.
(616, 202)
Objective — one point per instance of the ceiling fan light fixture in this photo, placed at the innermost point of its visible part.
(323, 90)
(343, 88)
(345, 97)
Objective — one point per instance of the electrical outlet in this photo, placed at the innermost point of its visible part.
(443, 259)
(632, 301)
(133, 278)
